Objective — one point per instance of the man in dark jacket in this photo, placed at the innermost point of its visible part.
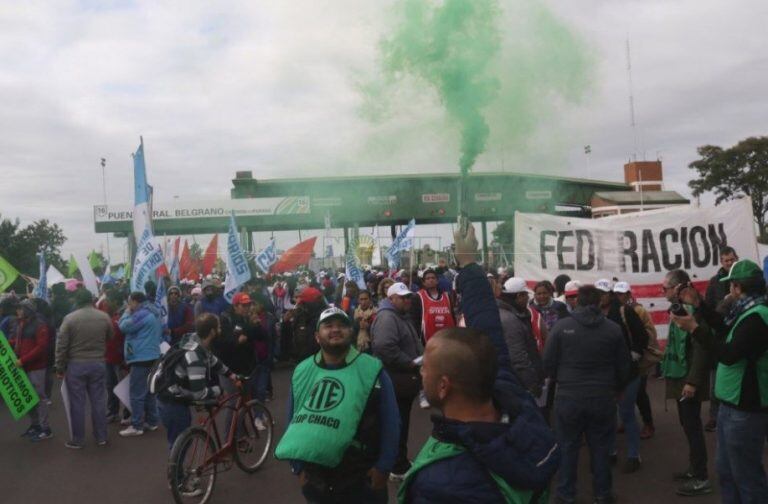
(587, 356)
(717, 290)
(397, 344)
(518, 335)
(474, 452)
(686, 366)
(740, 344)
(181, 319)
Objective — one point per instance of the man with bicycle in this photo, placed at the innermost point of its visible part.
(347, 400)
(192, 377)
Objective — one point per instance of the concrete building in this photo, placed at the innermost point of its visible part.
(647, 183)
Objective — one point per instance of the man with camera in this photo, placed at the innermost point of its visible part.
(686, 370)
(740, 345)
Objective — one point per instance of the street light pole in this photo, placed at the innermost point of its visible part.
(104, 189)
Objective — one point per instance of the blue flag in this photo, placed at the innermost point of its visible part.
(267, 257)
(161, 301)
(175, 271)
(41, 289)
(404, 241)
(149, 257)
(238, 271)
(353, 272)
(142, 195)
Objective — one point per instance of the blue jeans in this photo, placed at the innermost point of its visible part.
(143, 404)
(740, 441)
(628, 418)
(176, 419)
(259, 382)
(595, 419)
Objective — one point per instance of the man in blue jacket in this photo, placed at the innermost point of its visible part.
(143, 333)
(476, 452)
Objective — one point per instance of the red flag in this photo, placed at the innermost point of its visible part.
(211, 253)
(185, 262)
(295, 256)
(194, 270)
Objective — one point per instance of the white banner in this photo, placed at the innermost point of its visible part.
(148, 258)
(639, 248)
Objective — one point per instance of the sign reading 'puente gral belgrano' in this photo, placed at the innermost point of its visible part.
(15, 388)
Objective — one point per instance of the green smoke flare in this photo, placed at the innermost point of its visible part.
(498, 68)
(451, 47)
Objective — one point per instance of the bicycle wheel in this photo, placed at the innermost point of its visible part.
(254, 436)
(190, 478)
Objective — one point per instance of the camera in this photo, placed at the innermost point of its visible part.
(678, 309)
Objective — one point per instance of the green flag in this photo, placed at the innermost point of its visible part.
(15, 388)
(128, 270)
(72, 266)
(8, 274)
(94, 260)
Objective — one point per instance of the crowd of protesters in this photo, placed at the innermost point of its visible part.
(487, 349)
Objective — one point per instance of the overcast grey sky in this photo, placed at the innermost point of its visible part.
(271, 87)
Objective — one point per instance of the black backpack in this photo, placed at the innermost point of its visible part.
(162, 374)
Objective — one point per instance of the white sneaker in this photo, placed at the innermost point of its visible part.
(197, 492)
(131, 432)
(259, 424)
(151, 428)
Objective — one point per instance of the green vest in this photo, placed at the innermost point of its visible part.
(434, 451)
(729, 378)
(327, 407)
(675, 363)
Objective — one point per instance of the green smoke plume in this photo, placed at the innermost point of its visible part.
(498, 68)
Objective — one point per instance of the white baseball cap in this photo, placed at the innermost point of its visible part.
(622, 287)
(604, 285)
(398, 289)
(514, 285)
(333, 313)
(572, 288)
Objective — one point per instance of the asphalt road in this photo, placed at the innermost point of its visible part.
(133, 470)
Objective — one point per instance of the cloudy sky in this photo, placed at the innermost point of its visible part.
(273, 87)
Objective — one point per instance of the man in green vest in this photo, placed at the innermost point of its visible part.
(740, 345)
(343, 431)
(685, 367)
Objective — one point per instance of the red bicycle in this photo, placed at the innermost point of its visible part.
(198, 453)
